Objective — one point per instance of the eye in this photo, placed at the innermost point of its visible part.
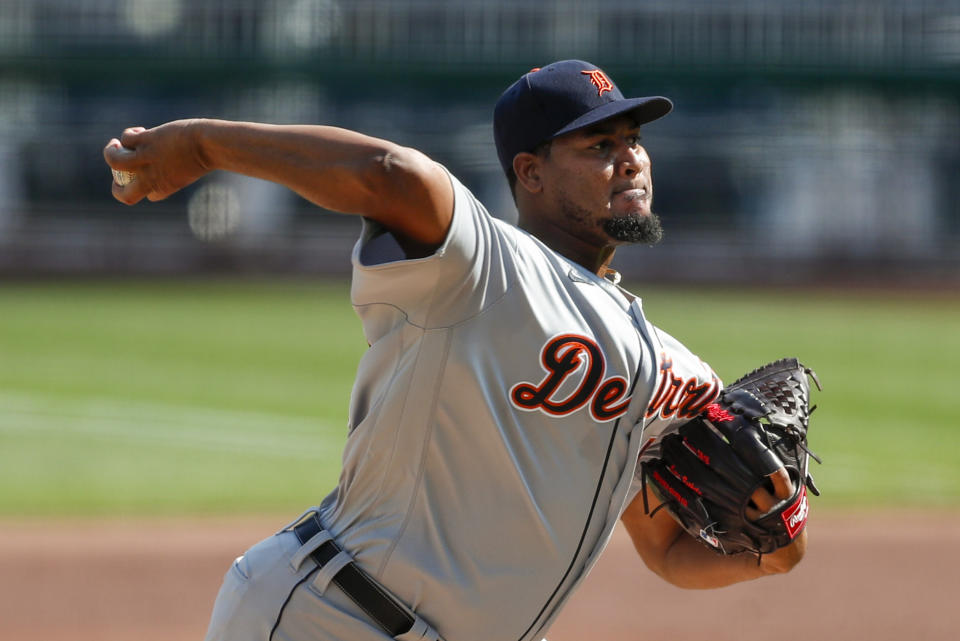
(634, 140)
(602, 146)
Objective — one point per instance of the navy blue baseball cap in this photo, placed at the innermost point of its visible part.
(560, 98)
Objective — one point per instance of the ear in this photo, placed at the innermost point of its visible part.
(527, 168)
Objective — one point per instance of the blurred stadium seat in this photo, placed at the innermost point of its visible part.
(822, 135)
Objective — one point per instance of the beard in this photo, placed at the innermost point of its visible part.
(631, 228)
(635, 228)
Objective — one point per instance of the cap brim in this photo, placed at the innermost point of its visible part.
(645, 109)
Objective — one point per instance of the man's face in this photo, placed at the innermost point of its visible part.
(599, 184)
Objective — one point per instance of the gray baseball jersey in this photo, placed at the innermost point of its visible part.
(495, 426)
(495, 423)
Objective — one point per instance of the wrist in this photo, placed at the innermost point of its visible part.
(786, 558)
(198, 131)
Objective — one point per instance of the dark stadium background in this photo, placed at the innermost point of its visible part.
(818, 140)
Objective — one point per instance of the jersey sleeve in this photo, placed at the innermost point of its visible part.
(685, 385)
(472, 269)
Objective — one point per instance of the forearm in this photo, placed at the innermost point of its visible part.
(689, 564)
(335, 168)
(681, 560)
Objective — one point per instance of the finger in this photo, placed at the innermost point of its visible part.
(763, 501)
(129, 194)
(120, 157)
(107, 150)
(131, 136)
(782, 487)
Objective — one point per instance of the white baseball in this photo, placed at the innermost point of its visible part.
(122, 177)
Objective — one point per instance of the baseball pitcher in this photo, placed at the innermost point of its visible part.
(515, 402)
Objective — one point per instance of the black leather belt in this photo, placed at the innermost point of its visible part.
(356, 584)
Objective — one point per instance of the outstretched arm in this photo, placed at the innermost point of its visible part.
(338, 169)
(677, 557)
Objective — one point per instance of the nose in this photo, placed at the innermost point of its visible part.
(631, 161)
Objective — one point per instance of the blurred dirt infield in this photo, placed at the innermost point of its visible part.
(876, 576)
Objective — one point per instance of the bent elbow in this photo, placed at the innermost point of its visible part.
(409, 194)
(392, 171)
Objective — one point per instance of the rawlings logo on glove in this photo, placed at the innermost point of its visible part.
(708, 470)
(795, 517)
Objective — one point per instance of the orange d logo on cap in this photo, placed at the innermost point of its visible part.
(599, 80)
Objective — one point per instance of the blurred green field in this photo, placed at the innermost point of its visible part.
(223, 397)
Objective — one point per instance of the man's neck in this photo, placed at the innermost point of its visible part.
(596, 259)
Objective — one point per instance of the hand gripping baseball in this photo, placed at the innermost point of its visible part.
(736, 477)
(154, 163)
